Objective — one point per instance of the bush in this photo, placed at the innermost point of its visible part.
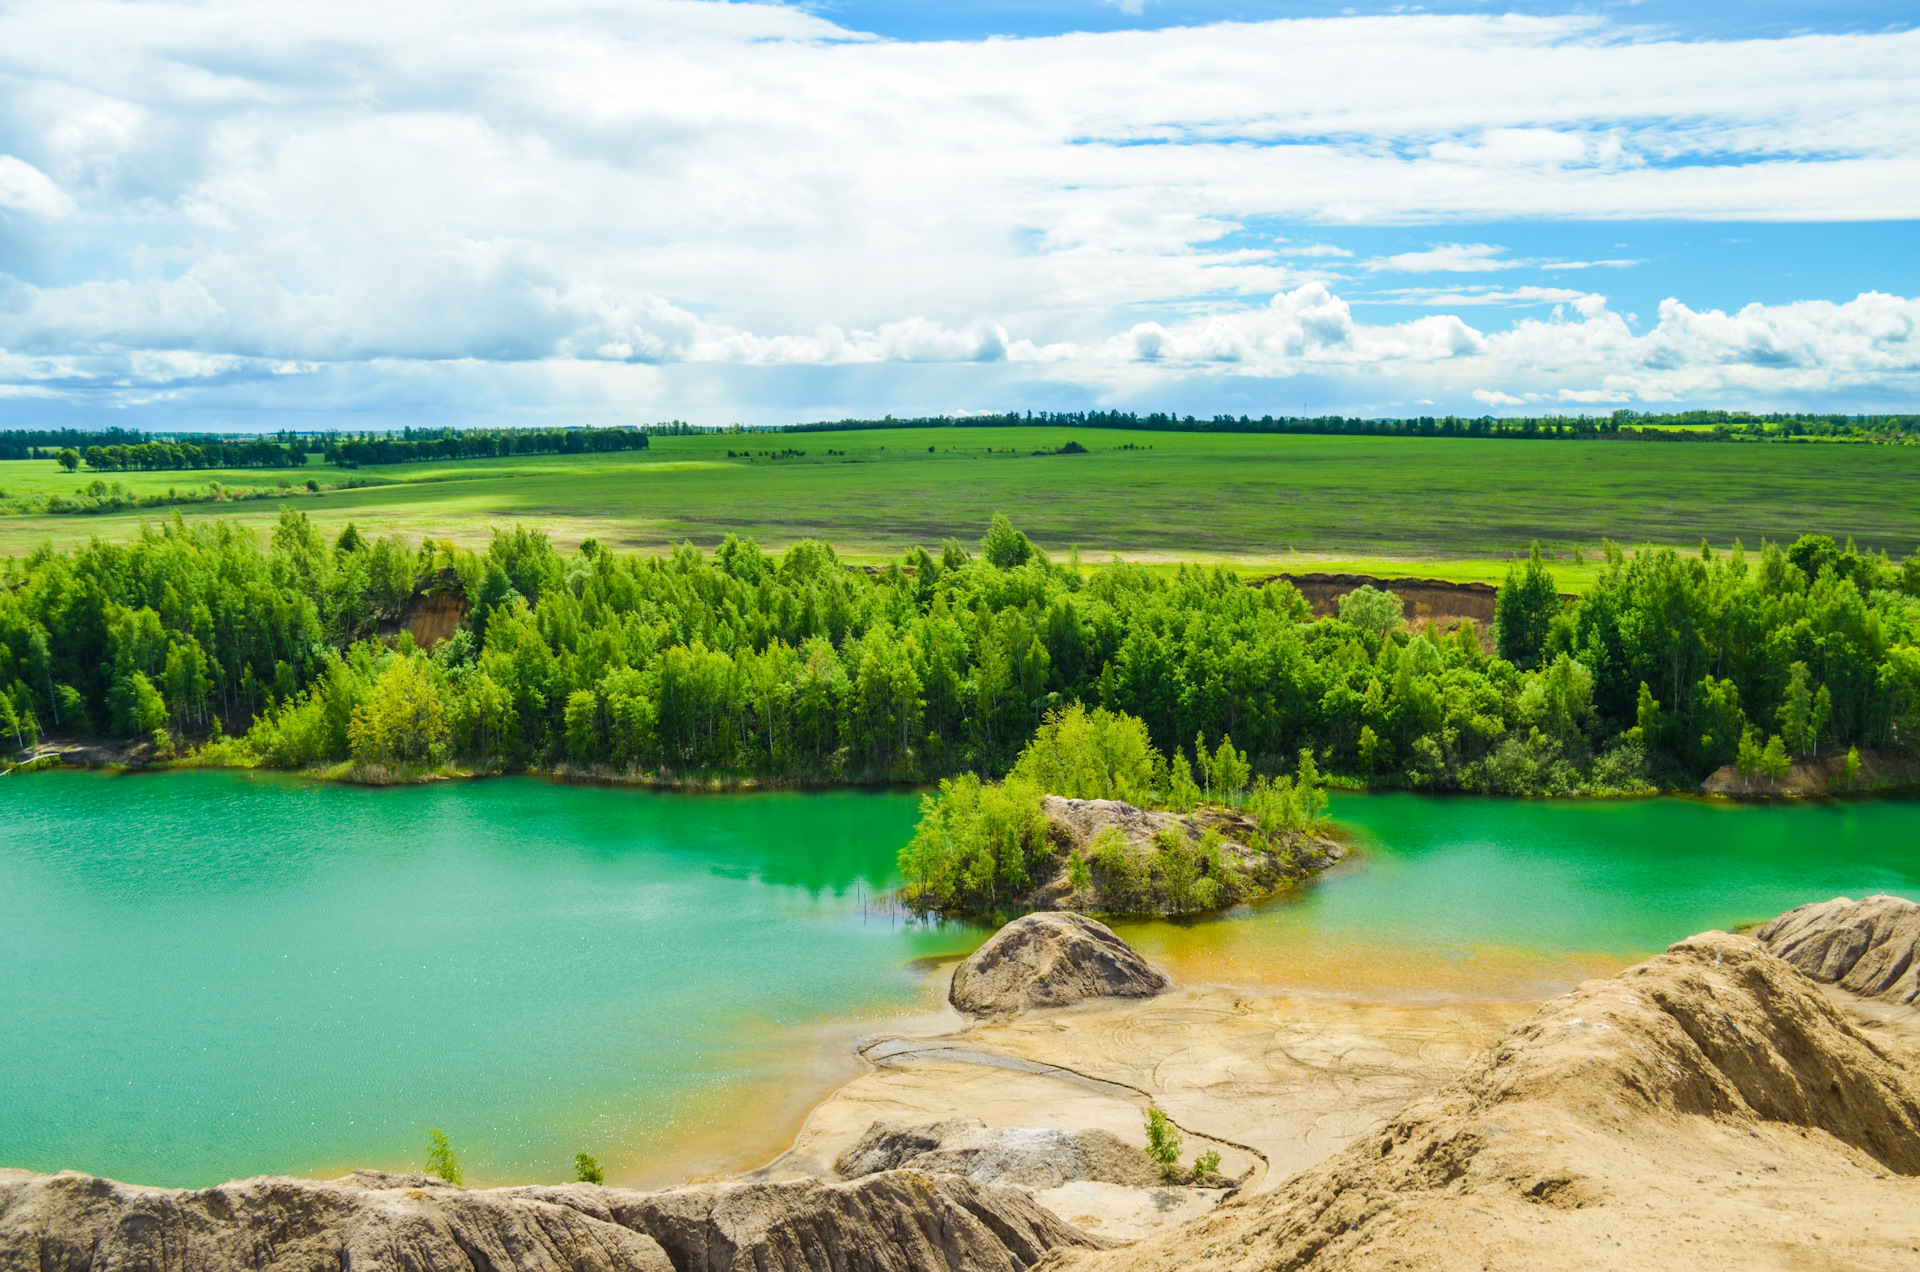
(440, 1159)
(977, 842)
(1163, 1142)
(587, 1171)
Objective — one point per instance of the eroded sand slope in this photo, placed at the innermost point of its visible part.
(1709, 1108)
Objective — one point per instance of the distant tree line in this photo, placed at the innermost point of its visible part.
(32, 443)
(1619, 426)
(796, 667)
(413, 445)
(163, 456)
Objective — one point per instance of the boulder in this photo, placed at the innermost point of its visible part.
(1870, 948)
(1031, 1156)
(894, 1221)
(1051, 959)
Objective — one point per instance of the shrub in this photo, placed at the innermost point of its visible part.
(976, 841)
(1163, 1142)
(440, 1159)
(586, 1170)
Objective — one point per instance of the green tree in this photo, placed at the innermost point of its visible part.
(1004, 547)
(403, 718)
(68, 458)
(1774, 761)
(1163, 1143)
(149, 711)
(1374, 752)
(1182, 791)
(586, 1170)
(441, 1162)
(1228, 769)
(1803, 711)
(1524, 610)
(1850, 769)
(1747, 760)
(1207, 1164)
(1376, 612)
(1082, 754)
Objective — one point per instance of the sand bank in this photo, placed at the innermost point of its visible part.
(1273, 1082)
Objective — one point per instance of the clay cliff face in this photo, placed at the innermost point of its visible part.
(897, 1221)
(1710, 1108)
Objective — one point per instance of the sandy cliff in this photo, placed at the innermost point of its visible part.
(1709, 1108)
(896, 1221)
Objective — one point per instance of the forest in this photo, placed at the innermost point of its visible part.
(287, 650)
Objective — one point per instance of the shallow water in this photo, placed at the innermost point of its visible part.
(1486, 898)
(213, 974)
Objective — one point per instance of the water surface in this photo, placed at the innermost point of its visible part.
(212, 974)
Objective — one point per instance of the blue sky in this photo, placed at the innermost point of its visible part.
(233, 214)
(1695, 19)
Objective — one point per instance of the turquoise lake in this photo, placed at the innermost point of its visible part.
(213, 974)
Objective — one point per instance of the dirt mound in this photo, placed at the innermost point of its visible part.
(1870, 948)
(1050, 959)
(1709, 1108)
(1031, 1156)
(372, 1222)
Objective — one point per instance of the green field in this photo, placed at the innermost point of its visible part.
(1454, 507)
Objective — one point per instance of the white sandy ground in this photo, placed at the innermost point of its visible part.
(1274, 1082)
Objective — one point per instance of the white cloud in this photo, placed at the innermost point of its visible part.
(426, 194)
(1431, 296)
(24, 188)
(1456, 258)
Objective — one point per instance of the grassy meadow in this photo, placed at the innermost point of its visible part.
(1455, 508)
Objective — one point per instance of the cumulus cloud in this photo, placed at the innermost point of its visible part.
(590, 198)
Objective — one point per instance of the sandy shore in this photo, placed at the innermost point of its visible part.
(1273, 1082)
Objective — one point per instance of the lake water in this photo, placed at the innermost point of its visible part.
(210, 975)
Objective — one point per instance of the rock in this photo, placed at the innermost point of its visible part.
(1709, 1108)
(374, 1222)
(368, 1222)
(1051, 959)
(1870, 948)
(1031, 1156)
(1249, 872)
(893, 1221)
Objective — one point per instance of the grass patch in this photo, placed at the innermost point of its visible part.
(1445, 508)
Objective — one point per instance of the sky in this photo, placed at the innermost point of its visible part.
(236, 215)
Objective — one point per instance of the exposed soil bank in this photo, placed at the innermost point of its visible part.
(1820, 777)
